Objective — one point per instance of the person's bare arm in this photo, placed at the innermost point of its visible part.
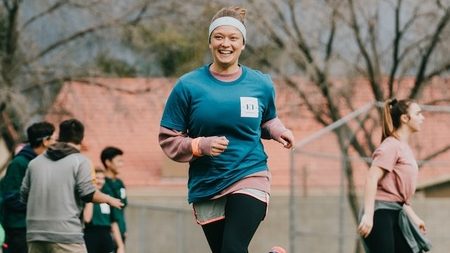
(100, 197)
(88, 212)
(415, 218)
(373, 176)
(117, 237)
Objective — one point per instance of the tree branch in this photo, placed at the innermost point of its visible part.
(370, 69)
(395, 51)
(330, 40)
(268, 28)
(51, 9)
(445, 67)
(140, 15)
(364, 126)
(420, 77)
(373, 45)
(6, 4)
(282, 18)
(301, 42)
(82, 33)
(10, 43)
(318, 115)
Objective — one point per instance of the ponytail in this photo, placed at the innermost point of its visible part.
(387, 127)
(392, 111)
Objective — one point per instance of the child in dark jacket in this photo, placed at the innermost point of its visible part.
(40, 137)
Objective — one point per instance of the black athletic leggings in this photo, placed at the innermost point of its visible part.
(386, 236)
(243, 214)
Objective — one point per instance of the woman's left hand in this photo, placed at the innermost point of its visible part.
(286, 138)
(120, 249)
(421, 224)
(415, 218)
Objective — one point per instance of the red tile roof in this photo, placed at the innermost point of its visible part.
(126, 113)
(119, 112)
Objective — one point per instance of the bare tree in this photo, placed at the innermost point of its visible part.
(379, 41)
(46, 42)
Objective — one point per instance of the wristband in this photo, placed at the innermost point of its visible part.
(196, 147)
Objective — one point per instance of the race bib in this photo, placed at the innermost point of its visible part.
(123, 193)
(249, 107)
(104, 208)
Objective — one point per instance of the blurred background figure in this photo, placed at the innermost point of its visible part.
(112, 160)
(54, 187)
(40, 136)
(389, 224)
(101, 222)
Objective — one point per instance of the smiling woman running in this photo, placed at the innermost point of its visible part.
(214, 119)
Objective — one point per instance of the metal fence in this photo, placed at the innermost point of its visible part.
(158, 229)
(320, 168)
(314, 216)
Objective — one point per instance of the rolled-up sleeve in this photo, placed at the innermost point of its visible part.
(386, 156)
(175, 144)
(85, 179)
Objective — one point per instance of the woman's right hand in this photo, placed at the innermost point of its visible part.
(365, 226)
(213, 145)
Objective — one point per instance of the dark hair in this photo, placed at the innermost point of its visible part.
(109, 153)
(393, 110)
(38, 132)
(71, 130)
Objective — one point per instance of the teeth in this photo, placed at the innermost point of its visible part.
(225, 51)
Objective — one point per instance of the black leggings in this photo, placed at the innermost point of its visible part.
(386, 236)
(243, 214)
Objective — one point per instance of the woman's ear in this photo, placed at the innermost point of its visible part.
(405, 118)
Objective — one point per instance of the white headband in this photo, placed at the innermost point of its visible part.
(228, 21)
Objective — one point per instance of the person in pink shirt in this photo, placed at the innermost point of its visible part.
(391, 183)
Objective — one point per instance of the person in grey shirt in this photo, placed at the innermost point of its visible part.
(54, 187)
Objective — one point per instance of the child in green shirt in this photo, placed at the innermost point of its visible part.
(112, 160)
(101, 222)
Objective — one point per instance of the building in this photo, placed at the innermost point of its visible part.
(125, 112)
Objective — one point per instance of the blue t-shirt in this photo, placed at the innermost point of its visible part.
(201, 105)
